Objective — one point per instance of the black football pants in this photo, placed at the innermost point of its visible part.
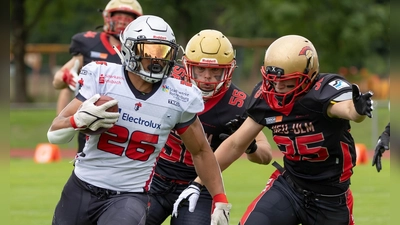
(280, 204)
(84, 204)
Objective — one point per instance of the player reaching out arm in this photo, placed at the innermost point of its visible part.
(308, 113)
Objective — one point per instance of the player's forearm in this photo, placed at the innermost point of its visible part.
(58, 82)
(208, 171)
(345, 110)
(263, 154)
(61, 131)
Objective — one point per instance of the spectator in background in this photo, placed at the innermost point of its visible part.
(209, 62)
(94, 46)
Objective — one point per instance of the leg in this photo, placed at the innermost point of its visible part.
(125, 209)
(201, 214)
(273, 206)
(162, 199)
(73, 205)
(332, 211)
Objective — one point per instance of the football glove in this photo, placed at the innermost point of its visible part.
(362, 102)
(233, 125)
(220, 212)
(70, 77)
(190, 194)
(381, 146)
(92, 116)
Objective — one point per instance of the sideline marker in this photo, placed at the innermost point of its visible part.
(47, 153)
(362, 155)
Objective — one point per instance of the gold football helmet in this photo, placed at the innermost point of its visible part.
(125, 6)
(289, 57)
(210, 49)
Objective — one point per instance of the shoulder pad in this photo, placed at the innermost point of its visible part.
(81, 42)
(329, 86)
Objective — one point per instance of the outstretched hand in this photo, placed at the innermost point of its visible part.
(381, 146)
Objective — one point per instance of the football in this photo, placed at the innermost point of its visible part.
(103, 99)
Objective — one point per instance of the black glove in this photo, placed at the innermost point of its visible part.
(381, 146)
(233, 125)
(362, 102)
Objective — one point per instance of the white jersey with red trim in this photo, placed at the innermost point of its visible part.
(123, 158)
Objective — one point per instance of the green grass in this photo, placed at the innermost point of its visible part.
(35, 190)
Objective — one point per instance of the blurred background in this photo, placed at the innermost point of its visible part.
(351, 37)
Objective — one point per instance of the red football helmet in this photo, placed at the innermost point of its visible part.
(289, 57)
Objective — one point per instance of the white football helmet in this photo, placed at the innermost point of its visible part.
(149, 48)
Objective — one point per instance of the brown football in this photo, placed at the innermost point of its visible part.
(103, 99)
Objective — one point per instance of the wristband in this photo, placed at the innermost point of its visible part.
(196, 184)
(253, 148)
(72, 121)
(221, 197)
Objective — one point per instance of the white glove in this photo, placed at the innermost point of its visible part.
(220, 216)
(70, 77)
(191, 194)
(93, 117)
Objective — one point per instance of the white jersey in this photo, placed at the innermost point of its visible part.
(124, 157)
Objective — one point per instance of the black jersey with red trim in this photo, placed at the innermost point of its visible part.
(94, 46)
(175, 161)
(317, 149)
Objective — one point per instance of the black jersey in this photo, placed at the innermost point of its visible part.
(317, 149)
(94, 46)
(175, 160)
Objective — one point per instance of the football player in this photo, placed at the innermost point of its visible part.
(94, 46)
(309, 114)
(110, 182)
(209, 62)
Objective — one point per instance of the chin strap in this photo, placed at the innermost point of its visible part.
(119, 54)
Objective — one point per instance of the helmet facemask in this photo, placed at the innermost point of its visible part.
(271, 75)
(148, 48)
(210, 89)
(212, 51)
(114, 21)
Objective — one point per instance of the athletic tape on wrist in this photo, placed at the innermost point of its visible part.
(221, 197)
(72, 121)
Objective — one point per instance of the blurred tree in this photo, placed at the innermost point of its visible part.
(20, 31)
(345, 33)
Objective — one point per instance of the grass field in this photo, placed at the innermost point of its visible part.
(35, 190)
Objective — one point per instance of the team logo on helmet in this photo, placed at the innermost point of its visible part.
(309, 53)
